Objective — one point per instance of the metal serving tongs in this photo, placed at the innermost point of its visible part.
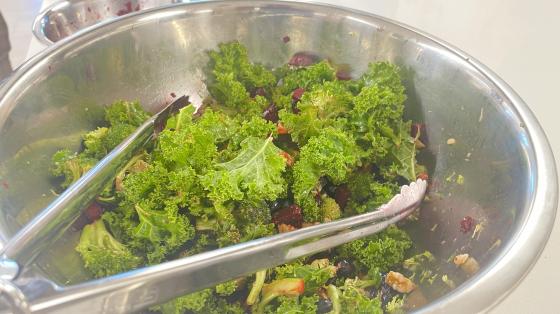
(141, 288)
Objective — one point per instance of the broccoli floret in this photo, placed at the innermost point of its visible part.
(102, 254)
(382, 250)
(329, 209)
(70, 166)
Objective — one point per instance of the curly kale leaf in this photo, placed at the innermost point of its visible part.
(367, 193)
(381, 251)
(296, 305)
(318, 108)
(332, 154)
(254, 174)
(70, 166)
(307, 77)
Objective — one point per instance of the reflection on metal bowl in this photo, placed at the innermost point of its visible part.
(487, 155)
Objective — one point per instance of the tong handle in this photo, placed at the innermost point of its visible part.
(141, 288)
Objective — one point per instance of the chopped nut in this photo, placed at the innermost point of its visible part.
(282, 228)
(451, 141)
(309, 224)
(460, 259)
(288, 158)
(468, 264)
(281, 129)
(399, 282)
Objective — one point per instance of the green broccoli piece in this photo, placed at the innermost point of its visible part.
(102, 254)
(332, 154)
(70, 166)
(382, 250)
(329, 209)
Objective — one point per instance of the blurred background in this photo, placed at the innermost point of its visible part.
(516, 39)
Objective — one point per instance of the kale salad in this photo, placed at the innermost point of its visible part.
(270, 151)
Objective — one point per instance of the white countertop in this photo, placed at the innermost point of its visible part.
(519, 41)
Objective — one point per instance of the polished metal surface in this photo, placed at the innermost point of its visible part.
(66, 17)
(141, 288)
(510, 181)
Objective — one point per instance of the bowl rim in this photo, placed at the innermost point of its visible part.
(506, 270)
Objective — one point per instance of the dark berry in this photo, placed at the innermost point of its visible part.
(303, 59)
(290, 215)
(466, 224)
(259, 91)
(341, 195)
(343, 75)
(93, 212)
(298, 92)
(286, 39)
(345, 269)
(324, 306)
(271, 113)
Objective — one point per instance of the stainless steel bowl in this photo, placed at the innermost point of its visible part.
(510, 182)
(66, 17)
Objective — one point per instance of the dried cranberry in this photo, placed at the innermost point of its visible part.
(290, 215)
(271, 113)
(324, 306)
(341, 195)
(93, 212)
(286, 39)
(288, 158)
(343, 75)
(303, 59)
(298, 92)
(259, 91)
(345, 269)
(173, 95)
(466, 224)
(423, 176)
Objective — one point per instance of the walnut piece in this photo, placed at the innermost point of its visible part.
(399, 282)
(282, 228)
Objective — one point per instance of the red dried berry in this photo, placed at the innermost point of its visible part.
(466, 224)
(343, 75)
(286, 39)
(341, 195)
(303, 59)
(173, 95)
(93, 212)
(290, 215)
(271, 113)
(423, 176)
(298, 92)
